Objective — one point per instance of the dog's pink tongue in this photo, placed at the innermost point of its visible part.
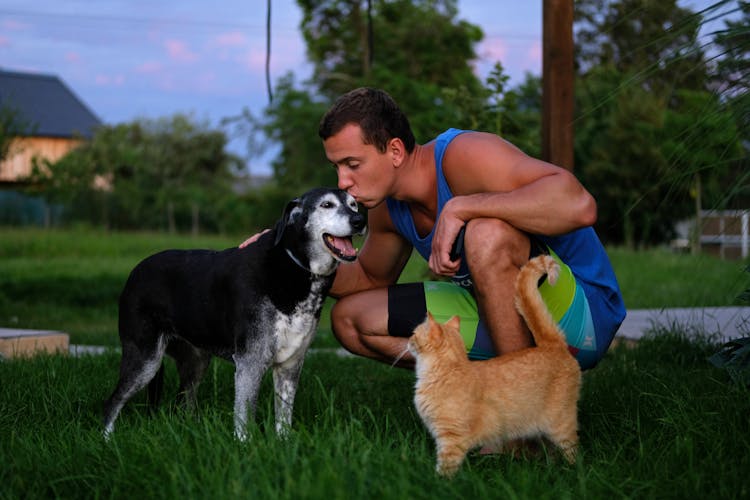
(344, 245)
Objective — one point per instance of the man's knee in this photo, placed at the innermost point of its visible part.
(342, 322)
(360, 314)
(495, 242)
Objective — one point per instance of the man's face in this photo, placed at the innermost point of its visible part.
(362, 170)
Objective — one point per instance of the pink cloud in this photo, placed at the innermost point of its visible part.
(13, 25)
(179, 51)
(149, 67)
(73, 57)
(206, 82)
(534, 54)
(231, 39)
(285, 55)
(254, 59)
(4, 41)
(493, 49)
(109, 80)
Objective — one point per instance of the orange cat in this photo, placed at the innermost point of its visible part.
(529, 393)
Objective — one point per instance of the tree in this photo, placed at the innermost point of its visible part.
(732, 80)
(733, 68)
(655, 42)
(700, 138)
(12, 125)
(643, 157)
(420, 54)
(521, 115)
(620, 160)
(650, 138)
(419, 49)
(146, 174)
(292, 121)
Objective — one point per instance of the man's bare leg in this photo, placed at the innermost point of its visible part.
(360, 324)
(496, 251)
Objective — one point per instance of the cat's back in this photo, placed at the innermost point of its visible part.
(527, 374)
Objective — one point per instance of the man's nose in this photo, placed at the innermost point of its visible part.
(345, 182)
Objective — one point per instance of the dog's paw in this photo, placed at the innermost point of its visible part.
(240, 435)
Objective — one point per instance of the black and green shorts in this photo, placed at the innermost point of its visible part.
(408, 305)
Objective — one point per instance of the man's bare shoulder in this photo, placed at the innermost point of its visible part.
(478, 161)
(478, 145)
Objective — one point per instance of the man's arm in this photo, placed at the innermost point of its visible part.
(492, 178)
(381, 260)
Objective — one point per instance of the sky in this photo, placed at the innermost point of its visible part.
(132, 59)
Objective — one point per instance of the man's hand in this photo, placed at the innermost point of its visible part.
(446, 231)
(253, 238)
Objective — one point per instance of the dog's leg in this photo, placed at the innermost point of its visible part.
(192, 364)
(285, 380)
(249, 370)
(137, 367)
(155, 388)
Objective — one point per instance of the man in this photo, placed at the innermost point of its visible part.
(420, 196)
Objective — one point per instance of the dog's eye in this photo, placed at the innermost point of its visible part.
(327, 204)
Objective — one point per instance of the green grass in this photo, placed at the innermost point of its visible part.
(657, 421)
(660, 278)
(70, 280)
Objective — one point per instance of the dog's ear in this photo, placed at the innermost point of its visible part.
(286, 219)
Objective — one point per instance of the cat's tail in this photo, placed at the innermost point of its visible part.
(529, 301)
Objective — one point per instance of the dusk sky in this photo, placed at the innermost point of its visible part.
(145, 58)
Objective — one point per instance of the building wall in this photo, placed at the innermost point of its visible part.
(23, 150)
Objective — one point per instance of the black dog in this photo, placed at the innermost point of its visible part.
(257, 306)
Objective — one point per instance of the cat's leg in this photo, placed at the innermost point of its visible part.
(565, 436)
(450, 455)
(569, 451)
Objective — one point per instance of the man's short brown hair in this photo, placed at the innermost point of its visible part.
(376, 113)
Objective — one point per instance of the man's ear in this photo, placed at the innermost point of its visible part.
(286, 219)
(397, 150)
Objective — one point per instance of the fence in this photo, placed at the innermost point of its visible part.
(725, 233)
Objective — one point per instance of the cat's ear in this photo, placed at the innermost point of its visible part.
(454, 322)
(430, 318)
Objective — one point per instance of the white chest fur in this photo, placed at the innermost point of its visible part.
(295, 331)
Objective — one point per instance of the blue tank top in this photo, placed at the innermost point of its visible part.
(581, 250)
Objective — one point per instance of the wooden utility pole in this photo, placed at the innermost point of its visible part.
(557, 83)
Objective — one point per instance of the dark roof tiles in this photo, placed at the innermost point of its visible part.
(47, 105)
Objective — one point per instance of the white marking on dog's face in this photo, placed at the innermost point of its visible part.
(331, 215)
(296, 211)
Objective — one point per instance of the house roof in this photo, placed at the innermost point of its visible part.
(47, 105)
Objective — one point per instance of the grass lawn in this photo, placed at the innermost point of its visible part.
(70, 280)
(657, 421)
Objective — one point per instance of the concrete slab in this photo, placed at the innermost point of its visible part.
(88, 350)
(14, 342)
(725, 322)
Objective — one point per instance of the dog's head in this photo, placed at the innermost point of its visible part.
(317, 228)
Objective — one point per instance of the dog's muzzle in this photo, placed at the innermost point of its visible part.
(342, 246)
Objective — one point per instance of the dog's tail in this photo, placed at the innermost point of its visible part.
(529, 301)
(155, 388)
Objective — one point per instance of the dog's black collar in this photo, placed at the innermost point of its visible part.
(297, 261)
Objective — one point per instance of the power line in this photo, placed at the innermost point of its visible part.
(135, 20)
(188, 23)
